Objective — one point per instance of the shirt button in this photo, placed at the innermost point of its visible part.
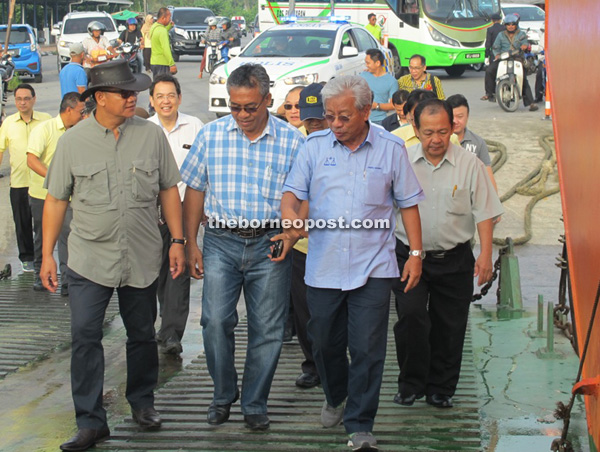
(250, 164)
(351, 173)
(347, 211)
(121, 192)
(349, 192)
(345, 249)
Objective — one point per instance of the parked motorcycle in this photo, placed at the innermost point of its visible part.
(7, 70)
(129, 53)
(513, 67)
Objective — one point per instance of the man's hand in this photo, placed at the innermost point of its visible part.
(176, 260)
(173, 69)
(412, 270)
(289, 240)
(524, 47)
(483, 269)
(48, 274)
(195, 262)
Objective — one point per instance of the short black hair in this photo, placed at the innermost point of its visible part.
(371, 15)
(162, 12)
(376, 55)
(250, 76)
(25, 86)
(420, 57)
(166, 78)
(415, 97)
(69, 100)
(400, 96)
(432, 106)
(458, 100)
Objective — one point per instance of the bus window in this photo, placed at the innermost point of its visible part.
(409, 12)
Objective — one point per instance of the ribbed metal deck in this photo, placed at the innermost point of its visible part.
(295, 414)
(32, 324)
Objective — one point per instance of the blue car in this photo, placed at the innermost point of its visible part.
(23, 47)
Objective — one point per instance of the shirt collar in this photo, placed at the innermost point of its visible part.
(269, 129)
(60, 125)
(35, 115)
(449, 156)
(370, 138)
(468, 136)
(105, 130)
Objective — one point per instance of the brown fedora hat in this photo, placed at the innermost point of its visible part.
(115, 74)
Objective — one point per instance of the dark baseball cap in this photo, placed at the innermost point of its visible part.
(311, 102)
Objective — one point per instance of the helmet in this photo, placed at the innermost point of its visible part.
(95, 25)
(131, 21)
(212, 21)
(226, 22)
(511, 19)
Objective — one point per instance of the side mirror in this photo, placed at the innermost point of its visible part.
(349, 52)
(235, 51)
(121, 28)
(55, 32)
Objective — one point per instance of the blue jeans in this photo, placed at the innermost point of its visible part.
(356, 320)
(230, 264)
(225, 53)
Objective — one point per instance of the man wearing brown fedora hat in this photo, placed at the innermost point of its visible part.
(112, 166)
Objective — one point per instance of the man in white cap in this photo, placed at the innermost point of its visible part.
(73, 77)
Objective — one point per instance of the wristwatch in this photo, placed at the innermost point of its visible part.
(418, 253)
(378, 108)
(182, 241)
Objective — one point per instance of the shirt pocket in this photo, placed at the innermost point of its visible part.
(91, 184)
(272, 184)
(375, 187)
(144, 180)
(458, 202)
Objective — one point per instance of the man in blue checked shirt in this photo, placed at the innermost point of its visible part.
(236, 169)
(356, 171)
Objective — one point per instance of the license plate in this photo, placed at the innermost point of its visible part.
(469, 56)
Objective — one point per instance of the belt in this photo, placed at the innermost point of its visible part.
(441, 254)
(249, 233)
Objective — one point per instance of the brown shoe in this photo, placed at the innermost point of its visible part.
(533, 107)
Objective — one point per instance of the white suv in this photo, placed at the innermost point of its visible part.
(73, 28)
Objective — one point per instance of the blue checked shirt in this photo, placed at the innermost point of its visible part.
(361, 184)
(241, 178)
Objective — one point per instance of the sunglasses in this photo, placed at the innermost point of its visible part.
(125, 94)
(290, 106)
(249, 110)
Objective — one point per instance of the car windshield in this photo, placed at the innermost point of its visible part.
(292, 43)
(186, 17)
(17, 36)
(80, 24)
(446, 10)
(525, 13)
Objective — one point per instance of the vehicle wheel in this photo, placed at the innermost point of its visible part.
(456, 71)
(507, 95)
(478, 67)
(38, 78)
(397, 65)
(175, 57)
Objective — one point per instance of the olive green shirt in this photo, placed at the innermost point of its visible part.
(113, 186)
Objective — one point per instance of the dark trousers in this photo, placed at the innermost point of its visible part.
(432, 320)
(88, 302)
(19, 201)
(356, 320)
(37, 210)
(173, 295)
(490, 83)
(301, 313)
(146, 53)
(158, 70)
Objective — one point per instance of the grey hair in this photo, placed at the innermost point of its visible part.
(250, 76)
(357, 86)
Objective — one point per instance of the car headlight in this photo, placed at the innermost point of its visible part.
(302, 79)
(439, 37)
(64, 43)
(33, 47)
(216, 79)
(179, 31)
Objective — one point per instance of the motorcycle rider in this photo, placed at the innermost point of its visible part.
(133, 36)
(212, 34)
(509, 40)
(97, 46)
(231, 35)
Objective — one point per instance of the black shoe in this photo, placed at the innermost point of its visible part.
(38, 286)
(257, 421)
(86, 438)
(218, 414)
(307, 380)
(407, 400)
(147, 418)
(171, 347)
(440, 400)
(492, 98)
(64, 291)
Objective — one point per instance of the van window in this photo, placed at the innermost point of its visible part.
(80, 24)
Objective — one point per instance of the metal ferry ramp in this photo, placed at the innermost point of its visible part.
(295, 414)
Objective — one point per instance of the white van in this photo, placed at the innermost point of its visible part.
(240, 21)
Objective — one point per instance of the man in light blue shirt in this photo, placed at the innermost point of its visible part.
(235, 172)
(354, 172)
(73, 78)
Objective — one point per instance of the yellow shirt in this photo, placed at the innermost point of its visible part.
(14, 136)
(407, 133)
(42, 144)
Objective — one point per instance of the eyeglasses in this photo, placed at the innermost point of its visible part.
(125, 94)
(415, 68)
(23, 99)
(246, 108)
(170, 96)
(342, 118)
(290, 106)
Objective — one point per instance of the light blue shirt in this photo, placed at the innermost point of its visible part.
(383, 89)
(241, 178)
(72, 76)
(363, 184)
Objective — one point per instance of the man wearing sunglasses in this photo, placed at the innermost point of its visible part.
(112, 166)
(354, 171)
(235, 170)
